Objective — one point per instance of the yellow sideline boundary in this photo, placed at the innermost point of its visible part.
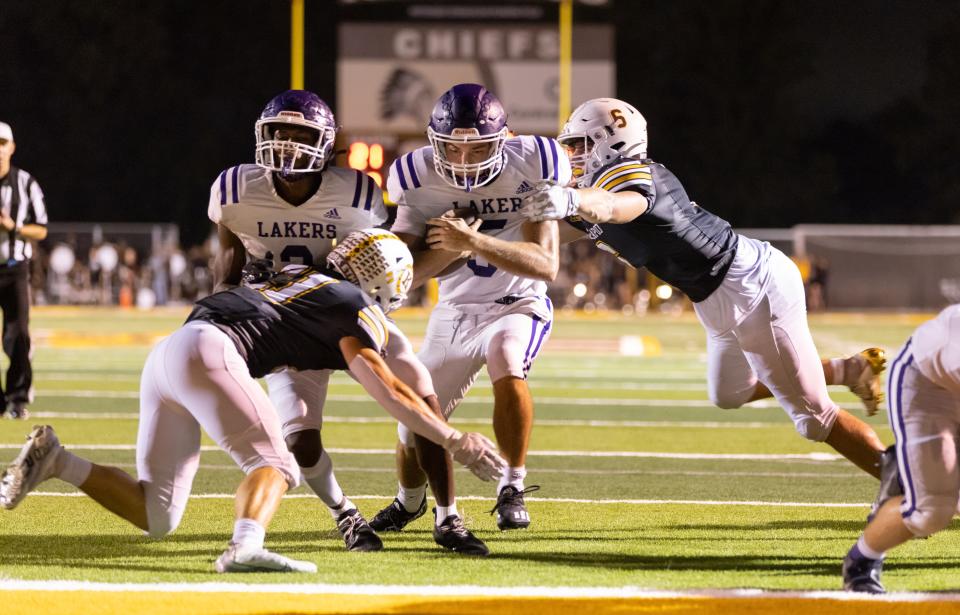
(26, 602)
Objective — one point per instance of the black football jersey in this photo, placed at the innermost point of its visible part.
(676, 239)
(295, 320)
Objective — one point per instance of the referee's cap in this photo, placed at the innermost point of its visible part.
(6, 132)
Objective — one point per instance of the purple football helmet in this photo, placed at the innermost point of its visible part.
(465, 116)
(295, 134)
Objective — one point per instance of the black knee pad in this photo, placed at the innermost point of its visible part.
(306, 447)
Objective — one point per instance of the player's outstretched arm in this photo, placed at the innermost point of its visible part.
(552, 201)
(537, 256)
(473, 450)
(228, 263)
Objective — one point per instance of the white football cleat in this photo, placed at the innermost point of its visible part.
(861, 373)
(259, 560)
(34, 464)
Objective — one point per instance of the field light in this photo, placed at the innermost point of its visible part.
(664, 292)
(579, 290)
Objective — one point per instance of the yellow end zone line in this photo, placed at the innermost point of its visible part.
(222, 598)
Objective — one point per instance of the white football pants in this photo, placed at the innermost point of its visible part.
(197, 379)
(757, 331)
(923, 400)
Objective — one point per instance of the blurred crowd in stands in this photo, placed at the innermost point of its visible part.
(67, 272)
(118, 273)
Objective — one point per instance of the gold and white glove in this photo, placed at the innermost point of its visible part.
(551, 201)
(477, 453)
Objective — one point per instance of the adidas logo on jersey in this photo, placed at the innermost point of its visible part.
(332, 214)
(524, 187)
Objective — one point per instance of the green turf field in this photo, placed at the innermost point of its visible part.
(684, 495)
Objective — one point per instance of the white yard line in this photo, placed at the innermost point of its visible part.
(463, 591)
(488, 400)
(461, 421)
(477, 498)
(369, 470)
(559, 453)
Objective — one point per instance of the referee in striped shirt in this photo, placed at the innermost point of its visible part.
(23, 219)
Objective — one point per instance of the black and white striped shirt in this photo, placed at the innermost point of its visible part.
(31, 210)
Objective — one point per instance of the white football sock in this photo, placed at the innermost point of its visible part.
(514, 477)
(866, 551)
(344, 505)
(320, 478)
(248, 534)
(445, 511)
(411, 497)
(72, 469)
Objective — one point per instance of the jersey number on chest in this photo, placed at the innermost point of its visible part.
(480, 267)
(293, 253)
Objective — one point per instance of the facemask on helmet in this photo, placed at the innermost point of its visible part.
(598, 132)
(468, 129)
(378, 262)
(295, 134)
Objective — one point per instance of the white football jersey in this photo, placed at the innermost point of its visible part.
(244, 200)
(421, 194)
(936, 349)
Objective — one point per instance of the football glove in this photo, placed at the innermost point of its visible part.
(477, 453)
(551, 201)
(256, 271)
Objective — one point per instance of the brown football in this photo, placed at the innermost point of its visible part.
(464, 213)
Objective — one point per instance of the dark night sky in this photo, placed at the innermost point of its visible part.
(773, 113)
(867, 54)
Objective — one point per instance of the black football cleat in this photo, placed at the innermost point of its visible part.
(395, 517)
(453, 535)
(510, 508)
(357, 533)
(862, 575)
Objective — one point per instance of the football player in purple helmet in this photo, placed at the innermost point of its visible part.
(295, 134)
(468, 129)
(458, 208)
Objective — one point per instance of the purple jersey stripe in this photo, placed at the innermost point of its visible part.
(370, 186)
(543, 158)
(233, 183)
(223, 188)
(413, 171)
(553, 150)
(358, 190)
(399, 169)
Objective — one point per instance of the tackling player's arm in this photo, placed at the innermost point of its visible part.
(599, 206)
(470, 449)
(228, 264)
(537, 256)
(552, 201)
